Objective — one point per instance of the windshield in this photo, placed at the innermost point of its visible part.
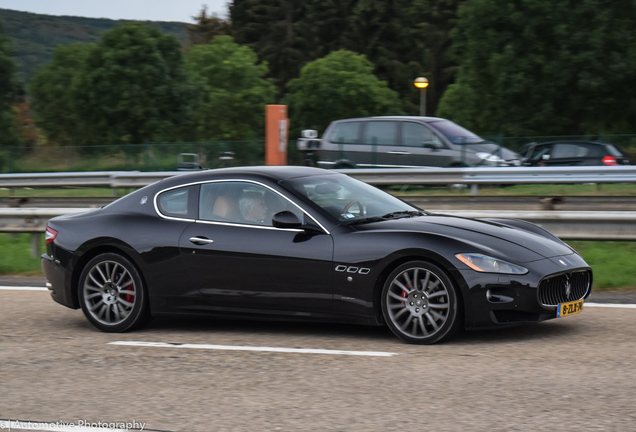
(346, 199)
(455, 133)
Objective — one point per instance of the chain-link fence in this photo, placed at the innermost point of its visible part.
(164, 156)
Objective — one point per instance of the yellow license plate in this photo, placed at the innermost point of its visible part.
(570, 308)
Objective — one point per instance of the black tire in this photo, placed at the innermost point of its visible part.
(112, 294)
(424, 312)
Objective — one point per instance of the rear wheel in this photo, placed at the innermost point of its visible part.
(112, 294)
(420, 304)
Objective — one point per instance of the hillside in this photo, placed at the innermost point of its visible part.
(35, 36)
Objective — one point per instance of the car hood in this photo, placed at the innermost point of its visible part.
(491, 237)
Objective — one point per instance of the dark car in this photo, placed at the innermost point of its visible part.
(309, 244)
(402, 142)
(574, 153)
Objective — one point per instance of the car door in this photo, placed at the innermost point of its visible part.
(239, 261)
(423, 147)
(570, 154)
(342, 148)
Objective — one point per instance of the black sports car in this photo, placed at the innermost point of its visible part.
(305, 243)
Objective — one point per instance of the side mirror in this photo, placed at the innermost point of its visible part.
(309, 133)
(430, 145)
(286, 219)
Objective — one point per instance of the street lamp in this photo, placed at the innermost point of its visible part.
(421, 83)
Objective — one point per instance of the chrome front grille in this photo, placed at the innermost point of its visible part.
(564, 288)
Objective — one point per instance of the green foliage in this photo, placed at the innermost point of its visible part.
(404, 39)
(341, 85)
(52, 98)
(129, 88)
(207, 27)
(233, 88)
(10, 91)
(133, 87)
(544, 67)
(276, 31)
(35, 37)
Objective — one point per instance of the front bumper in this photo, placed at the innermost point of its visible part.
(495, 300)
(58, 282)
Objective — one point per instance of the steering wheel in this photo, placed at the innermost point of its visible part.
(346, 208)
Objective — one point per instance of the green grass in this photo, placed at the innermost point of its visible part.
(15, 255)
(612, 262)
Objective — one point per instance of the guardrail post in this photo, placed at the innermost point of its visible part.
(35, 244)
(474, 189)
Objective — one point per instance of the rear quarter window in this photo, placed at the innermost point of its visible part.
(179, 203)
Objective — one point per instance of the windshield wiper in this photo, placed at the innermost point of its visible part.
(392, 215)
(405, 214)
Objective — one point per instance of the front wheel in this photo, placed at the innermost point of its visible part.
(112, 294)
(420, 304)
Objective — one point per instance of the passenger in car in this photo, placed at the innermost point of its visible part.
(225, 209)
(253, 208)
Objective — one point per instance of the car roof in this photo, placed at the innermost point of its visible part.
(275, 173)
(570, 142)
(417, 118)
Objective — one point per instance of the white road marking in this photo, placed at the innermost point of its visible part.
(254, 348)
(23, 288)
(610, 305)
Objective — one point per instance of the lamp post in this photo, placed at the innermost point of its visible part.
(421, 83)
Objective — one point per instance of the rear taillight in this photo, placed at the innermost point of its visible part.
(610, 160)
(50, 235)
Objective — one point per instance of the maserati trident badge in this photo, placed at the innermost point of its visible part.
(568, 287)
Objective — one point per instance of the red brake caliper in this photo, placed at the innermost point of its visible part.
(404, 294)
(129, 297)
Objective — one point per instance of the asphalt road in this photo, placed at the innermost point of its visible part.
(573, 374)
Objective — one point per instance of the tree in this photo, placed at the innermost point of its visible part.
(543, 67)
(404, 39)
(133, 87)
(53, 99)
(207, 27)
(340, 85)
(233, 88)
(428, 25)
(11, 91)
(274, 30)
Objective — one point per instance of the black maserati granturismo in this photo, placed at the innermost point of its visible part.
(305, 244)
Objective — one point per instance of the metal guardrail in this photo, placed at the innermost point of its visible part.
(567, 225)
(389, 176)
(499, 175)
(618, 225)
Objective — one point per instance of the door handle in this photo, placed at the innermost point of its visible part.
(201, 241)
(399, 152)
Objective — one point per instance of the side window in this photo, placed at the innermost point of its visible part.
(241, 202)
(540, 152)
(418, 135)
(569, 151)
(381, 133)
(345, 133)
(179, 203)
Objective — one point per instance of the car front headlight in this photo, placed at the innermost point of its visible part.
(489, 157)
(487, 264)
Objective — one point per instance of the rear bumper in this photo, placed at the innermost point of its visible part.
(58, 282)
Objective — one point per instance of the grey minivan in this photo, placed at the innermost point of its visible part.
(403, 142)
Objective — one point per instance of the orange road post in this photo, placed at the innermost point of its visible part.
(276, 134)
